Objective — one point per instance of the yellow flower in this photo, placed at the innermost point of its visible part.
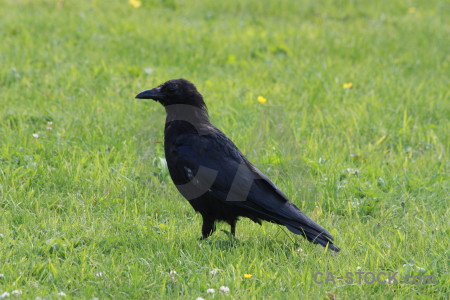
(248, 276)
(347, 85)
(261, 99)
(135, 3)
(412, 10)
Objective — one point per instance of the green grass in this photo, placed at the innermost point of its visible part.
(88, 208)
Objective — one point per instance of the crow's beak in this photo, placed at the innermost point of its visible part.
(154, 94)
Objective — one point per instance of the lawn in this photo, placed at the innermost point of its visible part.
(355, 131)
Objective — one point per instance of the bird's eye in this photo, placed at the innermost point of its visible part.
(172, 88)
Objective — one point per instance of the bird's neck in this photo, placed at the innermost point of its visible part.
(196, 116)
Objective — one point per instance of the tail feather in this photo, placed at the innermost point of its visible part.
(297, 222)
(321, 237)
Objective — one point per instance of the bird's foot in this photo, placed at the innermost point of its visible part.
(230, 235)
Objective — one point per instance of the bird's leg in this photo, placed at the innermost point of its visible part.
(233, 227)
(232, 233)
(208, 228)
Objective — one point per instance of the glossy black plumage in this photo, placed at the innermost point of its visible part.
(216, 178)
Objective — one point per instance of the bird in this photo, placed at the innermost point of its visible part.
(209, 170)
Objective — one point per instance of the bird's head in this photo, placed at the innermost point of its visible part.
(175, 91)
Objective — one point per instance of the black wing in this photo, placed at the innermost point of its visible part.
(213, 163)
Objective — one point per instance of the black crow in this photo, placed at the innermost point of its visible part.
(217, 179)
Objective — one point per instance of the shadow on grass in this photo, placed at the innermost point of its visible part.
(293, 246)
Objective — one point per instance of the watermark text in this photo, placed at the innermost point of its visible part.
(371, 278)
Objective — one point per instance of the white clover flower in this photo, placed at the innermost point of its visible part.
(16, 292)
(200, 298)
(148, 70)
(35, 135)
(224, 289)
(2, 275)
(213, 272)
(99, 274)
(62, 294)
(4, 295)
(210, 291)
(358, 268)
